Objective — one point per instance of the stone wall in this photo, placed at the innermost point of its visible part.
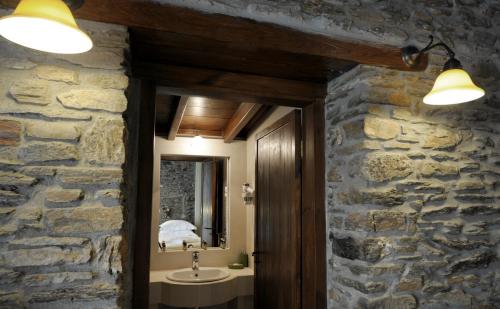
(62, 152)
(412, 195)
(177, 194)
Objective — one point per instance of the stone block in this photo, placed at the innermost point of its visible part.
(51, 112)
(388, 220)
(104, 143)
(16, 179)
(433, 169)
(442, 139)
(50, 279)
(10, 299)
(364, 287)
(84, 219)
(107, 100)
(109, 81)
(47, 152)
(479, 210)
(370, 250)
(65, 131)
(43, 241)
(45, 256)
(6, 211)
(10, 132)
(95, 291)
(475, 261)
(57, 74)
(380, 167)
(30, 92)
(90, 176)
(59, 195)
(111, 258)
(108, 194)
(380, 128)
(409, 284)
(431, 211)
(388, 198)
(393, 302)
(460, 244)
(475, 198)
(358, 222)
(394, 145)
(9, 276)
(454, 299)
(470, 186)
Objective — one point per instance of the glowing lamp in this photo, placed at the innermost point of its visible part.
(45, 25)
(453, 85)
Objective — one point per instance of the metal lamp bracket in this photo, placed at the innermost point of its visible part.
(412, 55)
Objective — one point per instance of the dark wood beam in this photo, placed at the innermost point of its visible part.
(179, 113)
(236, 30)
(240, 119)
(179, 49)
(177, 80)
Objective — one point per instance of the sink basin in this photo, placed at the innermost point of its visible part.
(201, 275)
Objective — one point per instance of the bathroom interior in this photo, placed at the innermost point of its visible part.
(202, 231)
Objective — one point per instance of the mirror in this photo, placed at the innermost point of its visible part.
(193, 195)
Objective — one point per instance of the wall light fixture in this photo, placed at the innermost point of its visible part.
(453, 85)
(46, 25)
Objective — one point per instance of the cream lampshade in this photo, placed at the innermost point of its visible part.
(45, 25)
(453, 86)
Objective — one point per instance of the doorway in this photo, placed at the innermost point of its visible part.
(220, 79)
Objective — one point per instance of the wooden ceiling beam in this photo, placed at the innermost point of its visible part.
(179, 113)
(203, 133)
(241, 118)
(236, 30)
(239, 87)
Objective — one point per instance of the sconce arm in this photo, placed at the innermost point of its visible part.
(412, 55)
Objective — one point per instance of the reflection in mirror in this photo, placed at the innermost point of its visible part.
(192, 202)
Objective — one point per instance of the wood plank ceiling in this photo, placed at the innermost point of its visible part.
(201, 116)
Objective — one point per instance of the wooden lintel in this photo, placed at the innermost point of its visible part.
(242, 116)
(179, 80)
(176, 123)
(236, 30)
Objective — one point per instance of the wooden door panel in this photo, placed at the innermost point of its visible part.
(278, 211)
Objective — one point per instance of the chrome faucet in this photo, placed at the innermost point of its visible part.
(196, 259)
(185, 245)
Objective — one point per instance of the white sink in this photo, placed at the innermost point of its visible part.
(201, 275)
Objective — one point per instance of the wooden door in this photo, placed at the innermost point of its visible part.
(278, 215)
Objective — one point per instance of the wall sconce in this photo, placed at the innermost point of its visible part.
(453, 85)
(46, 25)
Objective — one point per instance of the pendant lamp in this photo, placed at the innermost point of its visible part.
(453, 86)
(45, 25)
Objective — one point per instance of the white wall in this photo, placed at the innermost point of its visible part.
(236, 151)
(250, 173)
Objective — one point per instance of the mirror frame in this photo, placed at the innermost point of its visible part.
(227, 200)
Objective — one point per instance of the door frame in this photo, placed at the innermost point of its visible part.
(313, 253)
